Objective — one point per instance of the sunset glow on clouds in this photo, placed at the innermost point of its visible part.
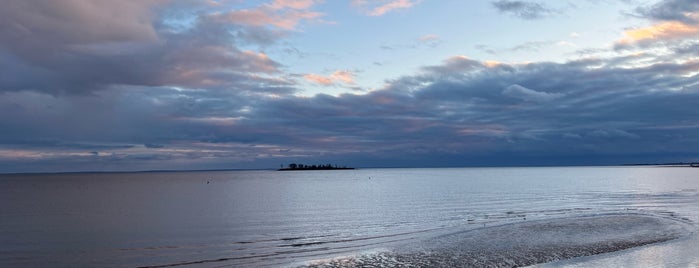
(282, 14)
(135, 85)
(663, 31)
(344, 77)
(381, 7)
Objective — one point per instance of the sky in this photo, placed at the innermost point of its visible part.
(101, 85)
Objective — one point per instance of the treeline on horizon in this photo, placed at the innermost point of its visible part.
(295, 166)
(692, 164)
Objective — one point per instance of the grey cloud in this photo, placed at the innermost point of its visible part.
(670, 10)
(461, 110)
(36, 28)
(454, 65)
(523, 9)
(487, 49)
(63, 47)
(179, 103)
(531, 46)
(687, 49)
(449, 105)
(154, 145)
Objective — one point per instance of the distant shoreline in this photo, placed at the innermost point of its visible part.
(387, 167)
(681, 164)
(301, 167)
(304, 169)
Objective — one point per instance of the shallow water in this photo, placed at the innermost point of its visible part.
(525, 243)
(269, 218)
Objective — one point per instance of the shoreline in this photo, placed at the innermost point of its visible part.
(312, 169)
(525, 243)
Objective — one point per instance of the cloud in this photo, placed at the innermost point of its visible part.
(154, 145)
(664, 31)
(613, 133)
(428, 38)
(338, 77)
(523, 9)
(486, 49)
(526, 94)
(281, 14)
(425, 41)
(66, 47)
(671, 10)
(380, 8)
(65, 24)
(463, 109)
(151, 95)
(530, 46)
(674, 23)
(455, 64)
(294, 4)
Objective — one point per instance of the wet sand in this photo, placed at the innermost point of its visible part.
(525, 243)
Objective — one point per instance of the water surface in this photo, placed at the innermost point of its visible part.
(270, 218)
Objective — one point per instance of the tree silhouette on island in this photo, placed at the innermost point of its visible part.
(294, 167)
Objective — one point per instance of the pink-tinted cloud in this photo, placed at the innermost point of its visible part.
(39, 154)
(283, 14)
(264, 16)
(318, 79)
(220, 71)
(338, 77)
(380, 8)
(294, 4)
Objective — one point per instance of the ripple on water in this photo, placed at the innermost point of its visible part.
(525, 243)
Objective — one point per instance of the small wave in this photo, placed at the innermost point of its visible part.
(312, 243)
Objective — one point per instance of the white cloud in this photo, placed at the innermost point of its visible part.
(612, 133)
(520, 92)
(380, 8)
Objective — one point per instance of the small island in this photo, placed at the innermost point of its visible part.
(296, 167)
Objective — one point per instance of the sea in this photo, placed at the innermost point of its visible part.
(630, 216)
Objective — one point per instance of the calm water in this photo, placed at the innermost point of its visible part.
(269, 218)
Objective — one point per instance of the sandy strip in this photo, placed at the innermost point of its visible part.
(525, 243)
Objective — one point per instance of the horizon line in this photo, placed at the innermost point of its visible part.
(675, 164)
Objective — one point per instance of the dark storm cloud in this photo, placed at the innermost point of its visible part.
(523, 9)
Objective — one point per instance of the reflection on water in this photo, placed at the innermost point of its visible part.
(268, 218)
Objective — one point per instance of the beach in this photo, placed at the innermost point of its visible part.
(527, 243)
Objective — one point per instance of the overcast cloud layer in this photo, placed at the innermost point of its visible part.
(140, 85)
